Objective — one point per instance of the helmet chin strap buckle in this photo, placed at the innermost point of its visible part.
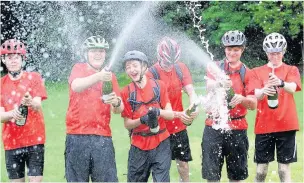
(15, 74)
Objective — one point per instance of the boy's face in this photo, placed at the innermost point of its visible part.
(96, 57)
(275, 58)
(234, 53)
(133, 69)
(13, 62)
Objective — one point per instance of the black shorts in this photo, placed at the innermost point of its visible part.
(32, 156)
(180, 147)
(284, 142)
(140, 163)
(216, 145)
(90, 155)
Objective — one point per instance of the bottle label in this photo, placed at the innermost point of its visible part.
(105, 97)
(154, 130)
(273, 103)
(21, 122)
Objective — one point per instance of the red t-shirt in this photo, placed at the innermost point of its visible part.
(87, 114)
(283, 118)
(175, 89)
(12, 92)
(238, 87)
(145, 95)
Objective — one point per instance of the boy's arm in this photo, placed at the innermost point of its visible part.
(167, 113)
(80, 84)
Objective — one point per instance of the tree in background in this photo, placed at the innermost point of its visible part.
(256, 19)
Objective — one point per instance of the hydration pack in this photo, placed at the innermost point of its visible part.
(132, 88)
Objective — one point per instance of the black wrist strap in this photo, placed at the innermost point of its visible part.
(282, 83)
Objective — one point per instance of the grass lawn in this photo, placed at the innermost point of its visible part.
(55, 108)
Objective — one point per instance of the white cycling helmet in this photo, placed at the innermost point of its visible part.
(274, 42)
(234, 38)
(95, 42)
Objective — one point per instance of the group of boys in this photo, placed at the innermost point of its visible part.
(152, 109)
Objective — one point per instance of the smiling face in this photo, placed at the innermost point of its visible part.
(234, 53)
(13, 62)
(96, 57)
(134, 69)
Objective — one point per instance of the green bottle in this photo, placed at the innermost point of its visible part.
(191, 110)
(24, 112)
(273, 101)
(107, 87)
(229, 95)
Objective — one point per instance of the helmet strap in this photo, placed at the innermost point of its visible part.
(95, 68)
(141, 76)
(15, 74)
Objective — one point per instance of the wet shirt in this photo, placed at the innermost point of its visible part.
(175, 91)
(283, 118)
(239, 88)
(12, 92)
(145, 95)
(87, 114)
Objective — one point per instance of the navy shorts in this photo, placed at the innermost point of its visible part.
(217, 145)
(90, 156)
(284, 142)
(180, 146)
(31, 156)
(141, 163)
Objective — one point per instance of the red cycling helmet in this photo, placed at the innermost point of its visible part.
(13, 46)
(168, 50)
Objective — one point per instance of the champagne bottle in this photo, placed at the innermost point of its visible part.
(273, 101)
(192, 109)
(107, 88)
(229, 95)
(24, 112)
(154, 127)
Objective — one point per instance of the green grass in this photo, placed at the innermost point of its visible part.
(55, 108)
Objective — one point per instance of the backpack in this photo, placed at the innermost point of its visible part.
(136, 104)
(241, 72)
(133, 94)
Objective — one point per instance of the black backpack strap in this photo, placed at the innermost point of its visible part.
(179, 72)
(242, 74)
(156, 91)
(153, 70)
(132, 98)
(222, 65)
(242, 71)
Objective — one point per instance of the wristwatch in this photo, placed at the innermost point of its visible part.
(282, 83)
(118, 104)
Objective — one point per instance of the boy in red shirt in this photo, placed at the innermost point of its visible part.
(231, 144)
(276, 128)
(146, 108)
(89, 147)
(177, 77)
(23, 144)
